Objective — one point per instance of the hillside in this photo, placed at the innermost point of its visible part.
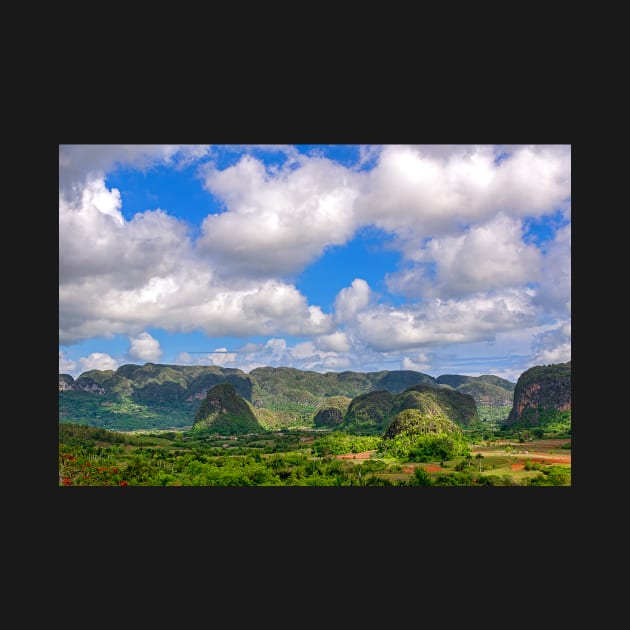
(372, 413)
(332, 411)
(152, 396)
(486, 390)
(542, 397)
(290, 385)
(414, 422)
(168, 396)
(224, 412)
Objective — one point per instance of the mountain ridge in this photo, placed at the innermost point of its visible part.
(168, 396)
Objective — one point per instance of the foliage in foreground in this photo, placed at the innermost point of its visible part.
(91, 456)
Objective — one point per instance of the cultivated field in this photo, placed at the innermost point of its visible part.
(501, 458)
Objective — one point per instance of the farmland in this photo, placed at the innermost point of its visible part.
(96, 457)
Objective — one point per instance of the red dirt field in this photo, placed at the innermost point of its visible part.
(431, 467)
(551, 459)
(427, 467)
(363, 455)
(533, 451)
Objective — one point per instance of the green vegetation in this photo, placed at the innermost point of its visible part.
(90, 456)
(493, 415)
(156, 396)
(123, 413)
(541, 394)
(332, 411)
(168, 396)
(486, 389)
(372, 413)
(549, 423)
(338, 443)
(369, 413)
(461, 408)
(195, 425)
(416, 436)
(224, 412)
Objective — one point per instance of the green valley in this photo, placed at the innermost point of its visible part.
(210, 427)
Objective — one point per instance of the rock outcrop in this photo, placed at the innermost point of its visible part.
(540, 393)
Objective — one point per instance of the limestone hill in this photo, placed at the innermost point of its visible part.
(224, 412)
(373, 412)
(542, 396)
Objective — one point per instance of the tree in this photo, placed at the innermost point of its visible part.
(421, 477)
(479, 456)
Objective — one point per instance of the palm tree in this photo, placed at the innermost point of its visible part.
(479, 456)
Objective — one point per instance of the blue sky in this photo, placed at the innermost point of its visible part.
(446, 259)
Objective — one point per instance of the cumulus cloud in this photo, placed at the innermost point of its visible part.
(184, 302)
(97, 361)
(553, 345)
(80, 163)
(277, 222)
(66, 365)
(221, 357)
(420, 192)
(559, 354)
(335, 342)
(96, 243)
(351, 300)
(555, 284)
(439, 322)
(419, 362)
(145, 348)
(275, 352)
(120, 277)
(487, 257)
(455, 211)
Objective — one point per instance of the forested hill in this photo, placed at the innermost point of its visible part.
(154, 395)
(156, 382)
(486, 389)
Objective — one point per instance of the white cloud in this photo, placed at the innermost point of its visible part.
(145, 348)
(421, 363)
(455, 211)
(553, 344)
(303, 350)
(555, 285)
(275, 352)
(487, 257)
(78, 163)
(66, 365)
(559, 354)
(97, 244)
(276, 347)
(440, 322)
(420, 192)
(119, 277)
(97, 361)
(351, 300)
(187, 301)
(335, 342)
(277, 222)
